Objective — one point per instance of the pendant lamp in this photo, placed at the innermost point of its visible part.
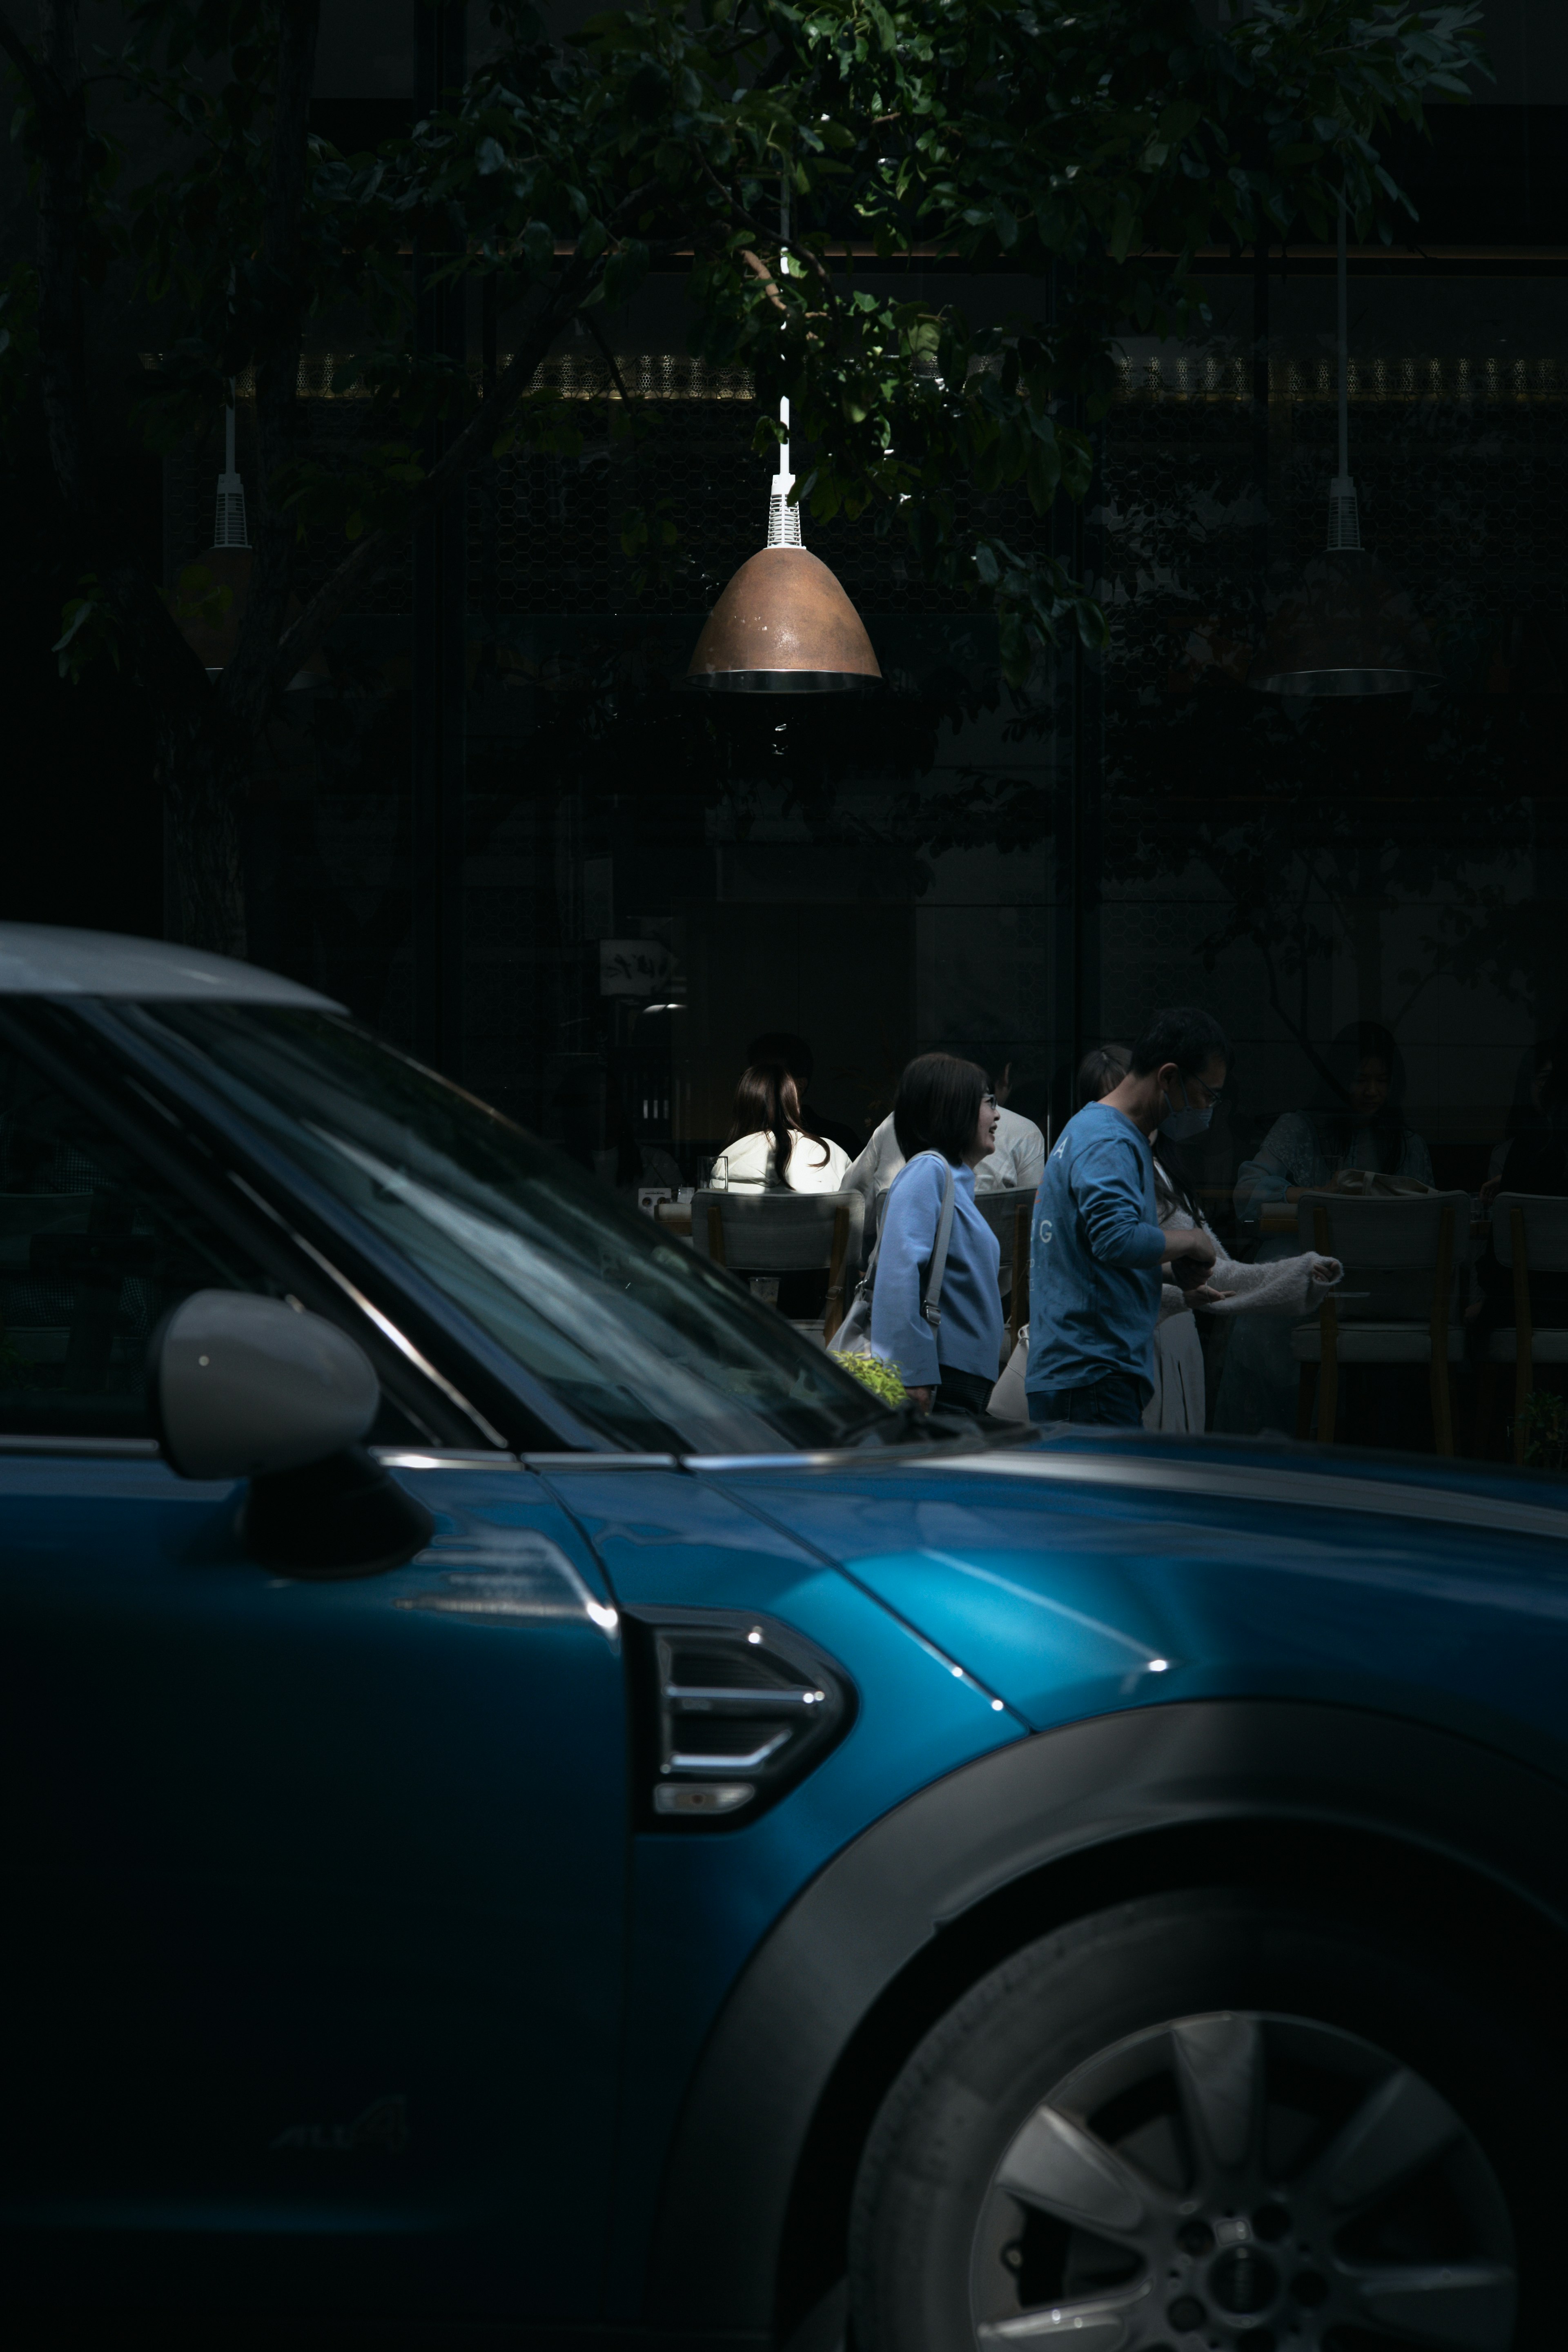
(783, 624)
(227, 564)
(1350, 628)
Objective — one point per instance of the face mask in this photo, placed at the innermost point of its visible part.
(1188, 1121)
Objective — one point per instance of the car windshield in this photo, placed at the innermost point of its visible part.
(643, 1340)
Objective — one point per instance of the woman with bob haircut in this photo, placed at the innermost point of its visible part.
(945, 1121)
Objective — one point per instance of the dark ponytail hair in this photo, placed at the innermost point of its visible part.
(1099, 1073)
(767, 1102)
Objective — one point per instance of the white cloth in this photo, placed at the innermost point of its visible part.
(1180, 1400)
(1017, 1158)
(747, 1166)
(1280, 1287)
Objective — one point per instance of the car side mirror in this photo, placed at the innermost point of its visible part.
(242, 1387)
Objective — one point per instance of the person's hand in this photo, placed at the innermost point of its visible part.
(921, 1399)
(1205, 1294)
(1188, 1241)
(1327, 1270)
(1490, 1190)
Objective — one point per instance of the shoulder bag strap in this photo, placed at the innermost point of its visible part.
(931, 1300)
(931, 1305)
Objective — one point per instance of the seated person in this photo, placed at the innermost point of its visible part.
(1017, 1159)
(1355, 1118)
(769, 1144)
(1537, 1162)
(783, 1045)
(771, 1148)
(1539, 1103)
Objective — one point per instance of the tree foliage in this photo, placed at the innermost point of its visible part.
(1090, 149)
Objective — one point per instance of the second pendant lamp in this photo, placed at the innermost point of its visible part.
(783, 624)
(1349, 628)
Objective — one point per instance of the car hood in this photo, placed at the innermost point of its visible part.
(1073, 1575)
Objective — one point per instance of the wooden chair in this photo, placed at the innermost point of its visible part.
(1530, 1234)
(1406, 1253)
(762, 1234)
(1010, 1213)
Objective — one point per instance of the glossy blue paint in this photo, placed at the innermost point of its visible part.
(701, 1906)
(1073, 1596)
(315, 1861)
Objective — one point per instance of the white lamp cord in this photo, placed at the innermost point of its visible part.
(784, 521)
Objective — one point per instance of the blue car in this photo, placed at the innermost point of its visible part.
(533, 1798)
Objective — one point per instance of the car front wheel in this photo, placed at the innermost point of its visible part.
(1210, 2122)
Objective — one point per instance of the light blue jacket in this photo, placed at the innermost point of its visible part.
(969, 1338)
(1094, 1258)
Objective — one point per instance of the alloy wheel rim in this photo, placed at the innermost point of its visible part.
(1242, 2181)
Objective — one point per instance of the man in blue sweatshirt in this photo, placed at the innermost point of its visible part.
(1097, 1245)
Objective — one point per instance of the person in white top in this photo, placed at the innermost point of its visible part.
(1017, 1158)
(769, 1147)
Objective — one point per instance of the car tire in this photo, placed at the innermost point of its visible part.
(1217, 2121)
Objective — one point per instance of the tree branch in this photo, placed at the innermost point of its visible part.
(301, 639)
(592, 321)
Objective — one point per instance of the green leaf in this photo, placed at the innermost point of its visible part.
(1016, 653)
(624, 270)
(887, 32)
(1042, 473)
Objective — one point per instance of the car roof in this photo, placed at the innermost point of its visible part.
(39, 959)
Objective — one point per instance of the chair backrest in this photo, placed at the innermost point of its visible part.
(775, 1232)
(1002, 1211)
(1391, 1248)
(1544, 1218)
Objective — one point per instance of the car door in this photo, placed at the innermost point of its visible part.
(315, 1889)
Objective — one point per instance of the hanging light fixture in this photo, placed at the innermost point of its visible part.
(1350, 628)
(783, 624)
(228, 565)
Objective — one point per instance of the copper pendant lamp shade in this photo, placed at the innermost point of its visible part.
(1350, 629)
(783, 625)
(228, 565)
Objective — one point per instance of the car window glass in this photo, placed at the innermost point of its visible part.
(95, 1248)
(644, 1342)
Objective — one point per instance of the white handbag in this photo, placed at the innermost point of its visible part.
(853, 1337)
